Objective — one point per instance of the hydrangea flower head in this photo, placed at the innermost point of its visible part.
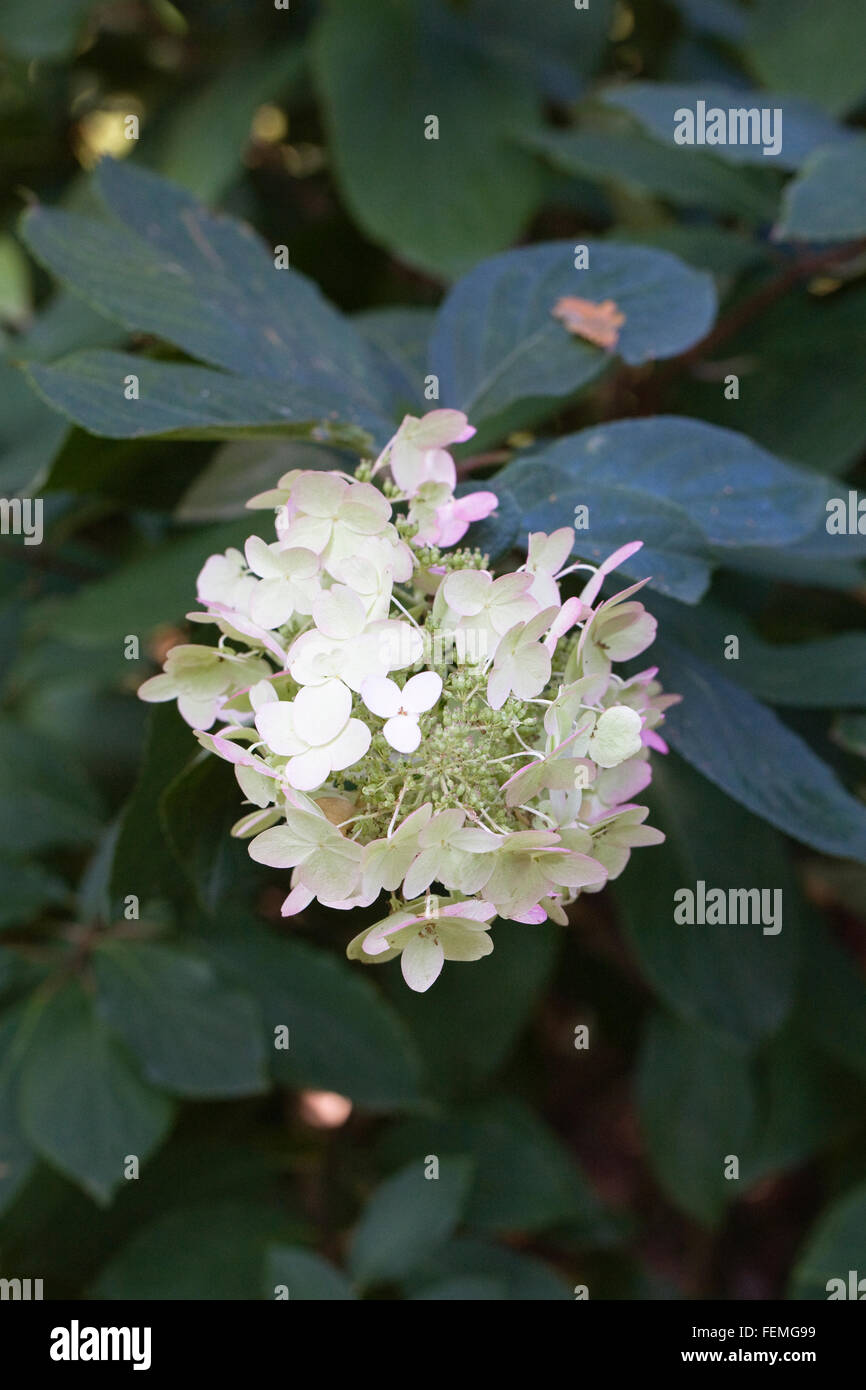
(402, 718)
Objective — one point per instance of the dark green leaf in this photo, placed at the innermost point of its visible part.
(827, 201)
(524, 1179)
(803, 127)
(437, 203)
(814, 52)
(746, 750)
(342, 1035)
(733, 979)
(45, 797)
(834, 1248)
(182, 402)
(305, 1276)
(82, 1105)
(210, 1251)
(237, 471)
(468, 1025)
(697, 1108)
(687, 178)
(408, 1218)
(496, 341)
(190, 1033)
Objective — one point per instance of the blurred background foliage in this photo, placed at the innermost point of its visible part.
(558, 1166)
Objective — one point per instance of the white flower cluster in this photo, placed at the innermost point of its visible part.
(501, 784)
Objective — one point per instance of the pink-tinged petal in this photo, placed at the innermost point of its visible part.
(593, 588)
(421, 692)
(378, 937)
(651, 739)
(473, 909)
(381, 695)
(248, 628)
(532, 917)
(299, 898)
(574, 610)
(403, 733)
(235, 753)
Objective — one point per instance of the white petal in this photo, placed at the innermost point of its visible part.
(349, 746)
(321, 711)
(381, 695)
(271, 603)
(308, 770)
(467, 591)
(339, 613)
(319, 494)
(199, 714)
(402, 733)
(275, 723)
(261, 558)
(421, 963)
(157, 689)
(498, 686)
(421, 692)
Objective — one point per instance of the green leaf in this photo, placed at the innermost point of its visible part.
(82, 1105)
(197, 810)
(688, 490)
(745, 749)
(697, 1106)
(407, 1219)
(40, 31)
(342, 1035)
(468, 1025)
(17, 1158)
(237, 471)
(827, 200)
(38, 807)
(803, 127)
(305, 1275)
(207, 1251)
(469, 1259)
(731, 979)
(834, 1247)
(496, 343)
(189, 154)
(191, 1034)
(799, 372)
(206, 284)
(142, 861)
(30, 435)
(556, 47)
(525, 1180)
(401, 337)
(438, 203)
(826, 673)
(804, 1106)
(152, 588)
(684, 177)
(28, 889)
(814, 53)
(175, 401)
(835, 1014)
